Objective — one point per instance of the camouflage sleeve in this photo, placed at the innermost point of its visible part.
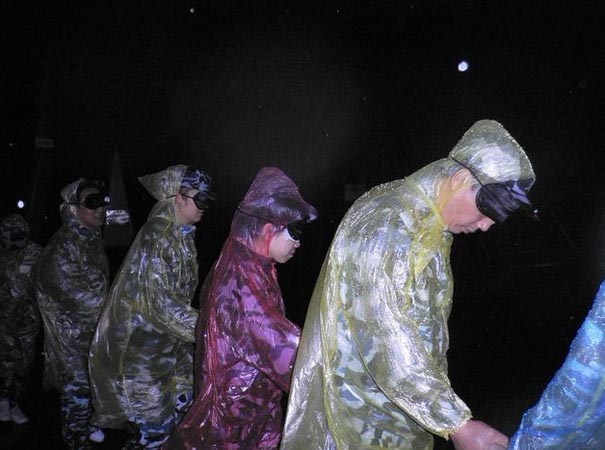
(166, 300)
(21, 280)
(395, 354)
(77, 285)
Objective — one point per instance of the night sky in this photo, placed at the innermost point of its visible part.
(333, 92)
(340, 95)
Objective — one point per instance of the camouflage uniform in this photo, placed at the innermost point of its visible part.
(19, 317)
(141, 358)
(72, 280)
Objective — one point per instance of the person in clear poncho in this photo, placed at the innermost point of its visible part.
(570, 414)
(19, 316)
(71, 280)
(245, 344)
(371, 370)
(141, 357)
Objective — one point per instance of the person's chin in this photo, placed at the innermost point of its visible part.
(459, 230)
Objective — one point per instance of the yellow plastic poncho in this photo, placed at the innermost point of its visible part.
(371, 370)
(142, 353)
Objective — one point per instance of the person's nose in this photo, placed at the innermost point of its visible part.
(485, 224)
(296, 244)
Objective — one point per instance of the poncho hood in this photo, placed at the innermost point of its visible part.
(68, 210)
(163, 186)
(493, 155)
(275, 198)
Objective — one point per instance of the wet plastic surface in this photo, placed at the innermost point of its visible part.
(517, 308)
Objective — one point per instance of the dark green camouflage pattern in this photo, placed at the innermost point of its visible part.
(19, 317)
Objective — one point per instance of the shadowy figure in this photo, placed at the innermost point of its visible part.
(19, 316)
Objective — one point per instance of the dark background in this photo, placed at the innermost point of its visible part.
(342, 95)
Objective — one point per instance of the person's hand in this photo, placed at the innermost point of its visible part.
(476, 435)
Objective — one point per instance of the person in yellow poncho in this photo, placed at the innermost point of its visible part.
(371, 370)
(141, 356)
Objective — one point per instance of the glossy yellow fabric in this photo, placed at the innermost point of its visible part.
(371, 370)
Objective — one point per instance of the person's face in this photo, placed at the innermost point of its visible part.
(187, 212)
(461, 215)
(90, 218)
(282, 247)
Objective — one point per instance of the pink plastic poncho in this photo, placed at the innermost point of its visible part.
(245, 345)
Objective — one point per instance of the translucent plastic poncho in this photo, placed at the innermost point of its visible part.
(571, 412)
(71, 280)
(246, 345)
(141, 357)
(371, 370)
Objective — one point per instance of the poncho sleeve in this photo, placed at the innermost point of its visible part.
(395, 356)
(271, 340)
(166, 299)
(72, 280)
(396, 294)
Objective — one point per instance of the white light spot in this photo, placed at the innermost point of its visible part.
(463, 66)
(20, 204)
(192, 10)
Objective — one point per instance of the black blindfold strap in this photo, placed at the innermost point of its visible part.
(469, 169)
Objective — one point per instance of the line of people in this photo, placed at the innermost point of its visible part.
(370, 368)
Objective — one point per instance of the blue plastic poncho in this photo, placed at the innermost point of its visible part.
(571, 412)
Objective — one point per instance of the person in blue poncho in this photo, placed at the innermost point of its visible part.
(570, 414)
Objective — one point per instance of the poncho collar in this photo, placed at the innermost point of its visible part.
(71, 220)
(251, 254)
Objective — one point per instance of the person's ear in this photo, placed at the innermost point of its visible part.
(178, 198)
(268, 229)
(460, 179)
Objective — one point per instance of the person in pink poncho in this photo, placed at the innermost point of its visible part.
(246, 346)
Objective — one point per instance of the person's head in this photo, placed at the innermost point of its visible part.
(271, 217)
(188, 186)
(88, 201)
(194, 196)
(14, 232)
(458, 206)
(489, 180)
